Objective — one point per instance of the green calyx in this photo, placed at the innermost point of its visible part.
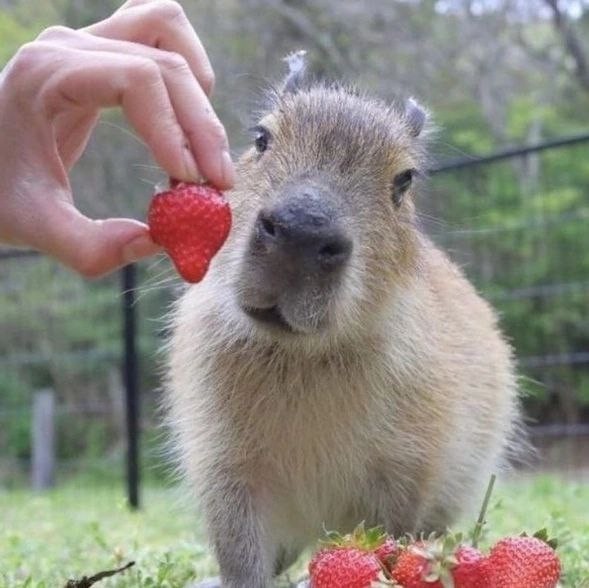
(440, 555)
(542, 534)
(360, 538)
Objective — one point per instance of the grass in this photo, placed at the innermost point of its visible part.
(76, 530)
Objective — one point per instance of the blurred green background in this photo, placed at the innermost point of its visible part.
(494, 73)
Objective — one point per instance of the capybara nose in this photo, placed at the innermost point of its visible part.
(303, 232)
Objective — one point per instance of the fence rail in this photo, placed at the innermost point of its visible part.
(509, 153)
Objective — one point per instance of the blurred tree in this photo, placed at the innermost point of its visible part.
(570, 37)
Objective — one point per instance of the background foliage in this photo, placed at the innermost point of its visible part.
(493, 73)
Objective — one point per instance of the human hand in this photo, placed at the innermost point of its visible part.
(145, 58)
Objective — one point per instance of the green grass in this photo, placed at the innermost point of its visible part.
(77, 530)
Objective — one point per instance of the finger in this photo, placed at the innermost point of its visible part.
(161, 24)
(94, 248)
(205, 133)
(96, 79)
(72, 132)
(201, 126)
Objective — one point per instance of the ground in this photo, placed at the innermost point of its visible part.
(77, 530)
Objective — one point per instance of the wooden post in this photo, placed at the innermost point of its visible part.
(43, 440)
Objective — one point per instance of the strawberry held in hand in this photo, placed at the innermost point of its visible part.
(191, 222)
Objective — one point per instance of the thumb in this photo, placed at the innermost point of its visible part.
(94, 248)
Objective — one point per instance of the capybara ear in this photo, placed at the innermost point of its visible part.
(416, 116)
(297, 69)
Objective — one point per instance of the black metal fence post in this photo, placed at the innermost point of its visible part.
(131, 379)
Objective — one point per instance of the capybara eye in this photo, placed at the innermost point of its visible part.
(401, 184)
(261, 138)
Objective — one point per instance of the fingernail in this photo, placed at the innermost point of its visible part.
(138, 248)
(192, 173)
(227, 168)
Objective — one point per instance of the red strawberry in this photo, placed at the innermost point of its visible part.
(414, 568)
(471, 569)
(191, 222)
(437, 564)
(344, 567)
(387, 551)
(523, 562)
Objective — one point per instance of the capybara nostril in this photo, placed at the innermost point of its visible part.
(335, 252)
(266, 224)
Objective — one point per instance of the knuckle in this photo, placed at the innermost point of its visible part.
(145, 72)
(210, 131)
(216, 132)
(168, 10)
(166, 134)
(26, 61)
(174, 62)
(55, 33)
(27, 56)
(207, 81)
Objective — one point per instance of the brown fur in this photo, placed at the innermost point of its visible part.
(394, 408)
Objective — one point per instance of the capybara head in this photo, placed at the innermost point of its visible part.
(324, 223)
